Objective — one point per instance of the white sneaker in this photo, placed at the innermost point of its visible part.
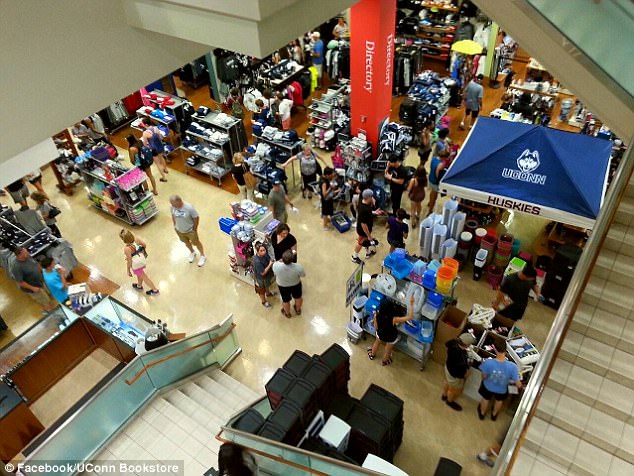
(462, 126)
(202, 261)
(192, 257)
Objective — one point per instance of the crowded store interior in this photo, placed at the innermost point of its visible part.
(390, 208)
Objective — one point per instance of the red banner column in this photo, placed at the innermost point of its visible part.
(371, 58)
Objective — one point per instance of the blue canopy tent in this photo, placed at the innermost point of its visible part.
(532, 169)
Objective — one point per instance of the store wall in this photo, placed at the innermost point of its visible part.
(62, 60)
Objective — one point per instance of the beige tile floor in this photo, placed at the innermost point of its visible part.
(74, 385)
(195, 298)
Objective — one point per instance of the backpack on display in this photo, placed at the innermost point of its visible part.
(146, 157)
(236, 110)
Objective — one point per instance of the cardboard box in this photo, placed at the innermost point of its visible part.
(450, 325)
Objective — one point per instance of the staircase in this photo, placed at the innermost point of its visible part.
(181, 423)
(584, 422)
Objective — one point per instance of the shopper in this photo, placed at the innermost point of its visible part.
(276, 116)
(298, 54)
(135, 252)
(263, 114)
(317, 54)
(416, 193)
(442, 142)
(365, 221)
(277, 202)
(436, 172)
(153, 138)
(243, 177)
(18, 191)
(282, 240)
(308, 167)
(263, 274)
(47, 211)
(398, 230)
(55, 279)
(28, 275)
(288, 277)
(456, 369)
(234, 103)
(233, 460)
(497, 374)
(385, 321)
(424, 147)
(489, 456)
(140, 160)
(473, 95)
(82, 137)
(328, 188)
(341, 29)
(514, 293)
(94, 132)
(35, 179)
(395, 175)
(285, 108)
(186, 220)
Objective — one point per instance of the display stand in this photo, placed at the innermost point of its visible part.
(324, 110)
(241, 257)
(438, 30)
(289, 151)
(357, 155)
(118, 191)
(280, 74)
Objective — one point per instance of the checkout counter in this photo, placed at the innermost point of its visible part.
(37, 359)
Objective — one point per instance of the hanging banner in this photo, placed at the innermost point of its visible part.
(371, 59)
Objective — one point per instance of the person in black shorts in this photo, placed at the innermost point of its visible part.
(385, 322)
(288, 277)
(328, 187)
(365, 220)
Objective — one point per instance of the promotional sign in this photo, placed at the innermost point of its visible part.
(371, 59)
(532, 169)
(353, 285)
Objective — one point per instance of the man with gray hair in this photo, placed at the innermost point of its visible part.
(186, 221)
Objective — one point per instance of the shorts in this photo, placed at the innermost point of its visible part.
(434, 187)
(488, 394)
(452, 381)
(20, 195)
(36, 179)
(320, 69)
(41, 297)
(473, 112)
(327, 208)
(139, 271)
(307, 179)
(392, 341)
(363, 241)
(190, 237)
(396, 244)
(286, 292)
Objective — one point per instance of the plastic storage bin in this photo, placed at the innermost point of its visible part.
(226, 224)
(444, 278)
(402, 268)
(452, 264)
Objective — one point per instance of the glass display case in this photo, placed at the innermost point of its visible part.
(119, 320)
(34, 338)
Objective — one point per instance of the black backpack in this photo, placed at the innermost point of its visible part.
(146, 157)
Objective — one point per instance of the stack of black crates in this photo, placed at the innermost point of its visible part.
(305, 385)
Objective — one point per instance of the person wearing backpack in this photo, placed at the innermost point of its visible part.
(143, 161)
(153, 139)
(233, 103)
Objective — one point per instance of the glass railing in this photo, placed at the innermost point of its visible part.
(565, 314)
(281, 459)
(81, 436)
(603, 31)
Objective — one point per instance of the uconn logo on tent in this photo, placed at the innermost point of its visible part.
(526, 164)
